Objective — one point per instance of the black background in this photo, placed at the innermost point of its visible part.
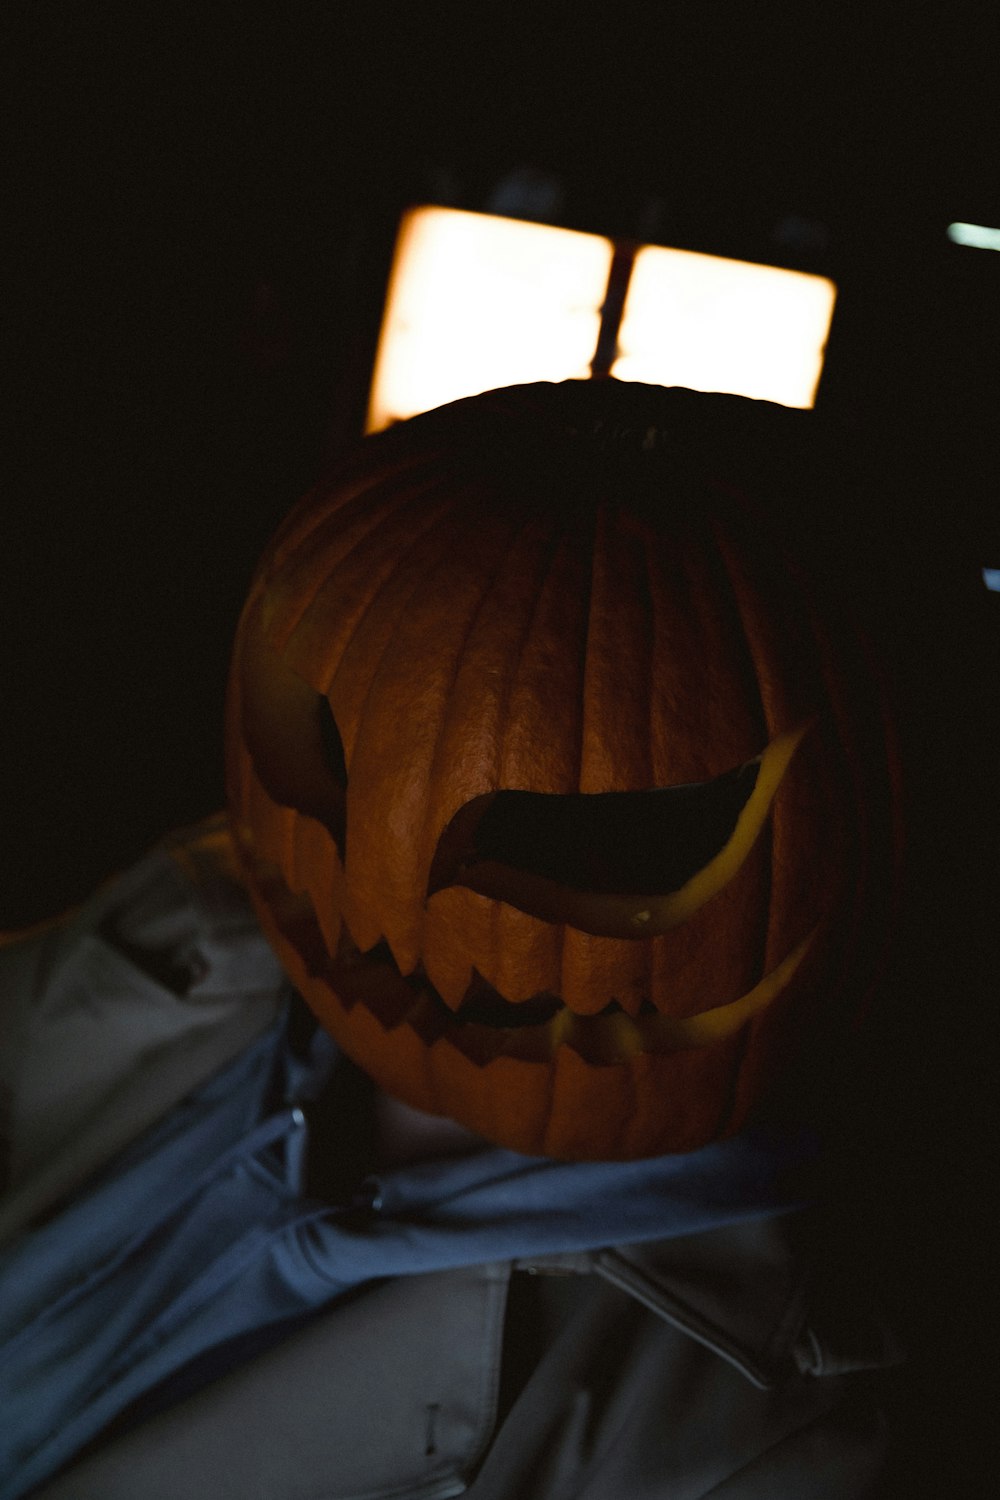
(202, 205)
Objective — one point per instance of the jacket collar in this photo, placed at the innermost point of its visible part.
(739, 1289)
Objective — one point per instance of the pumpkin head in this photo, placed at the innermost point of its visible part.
(563, 797)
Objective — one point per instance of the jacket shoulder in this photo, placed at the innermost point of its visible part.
(112, 1013)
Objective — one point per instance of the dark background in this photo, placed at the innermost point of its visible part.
(202, 206)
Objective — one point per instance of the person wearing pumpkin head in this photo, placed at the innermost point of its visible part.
(455, 1121)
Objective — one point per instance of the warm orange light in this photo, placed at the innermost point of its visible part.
(724, 325)
(476, 301)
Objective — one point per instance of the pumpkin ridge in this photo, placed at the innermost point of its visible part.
(631, 1121)
(618, 648)
(565, 936)
(362, 522)
(299, 528)
(522, 542)
(725, 574)
(617, 669)
(766, 854)
(423, 836)
(428, 837)
(560, 545)
(497, 918)
(375, 580)
(550, 1113)
(387, 659)
(727, 1119)
(401, 607)
(585, 648)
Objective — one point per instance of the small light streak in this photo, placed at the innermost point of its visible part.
(477, 301)
(991, 578)
(978, 235)
(724, 325)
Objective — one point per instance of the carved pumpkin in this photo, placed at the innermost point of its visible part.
(563, 799)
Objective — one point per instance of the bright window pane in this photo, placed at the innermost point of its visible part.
(476, 301)
(724, 325)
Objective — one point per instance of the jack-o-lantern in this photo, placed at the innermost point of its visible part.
(564, 798)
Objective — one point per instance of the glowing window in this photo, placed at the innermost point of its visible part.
(476, 301)
(724, 325)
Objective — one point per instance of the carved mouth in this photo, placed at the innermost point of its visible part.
(486, 1025)
(482, 1004)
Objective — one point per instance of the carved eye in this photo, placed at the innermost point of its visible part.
(625, 842)
(333, 745)
(616, 864)
(293, 739)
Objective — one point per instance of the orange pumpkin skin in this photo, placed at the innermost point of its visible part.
(542, 590)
